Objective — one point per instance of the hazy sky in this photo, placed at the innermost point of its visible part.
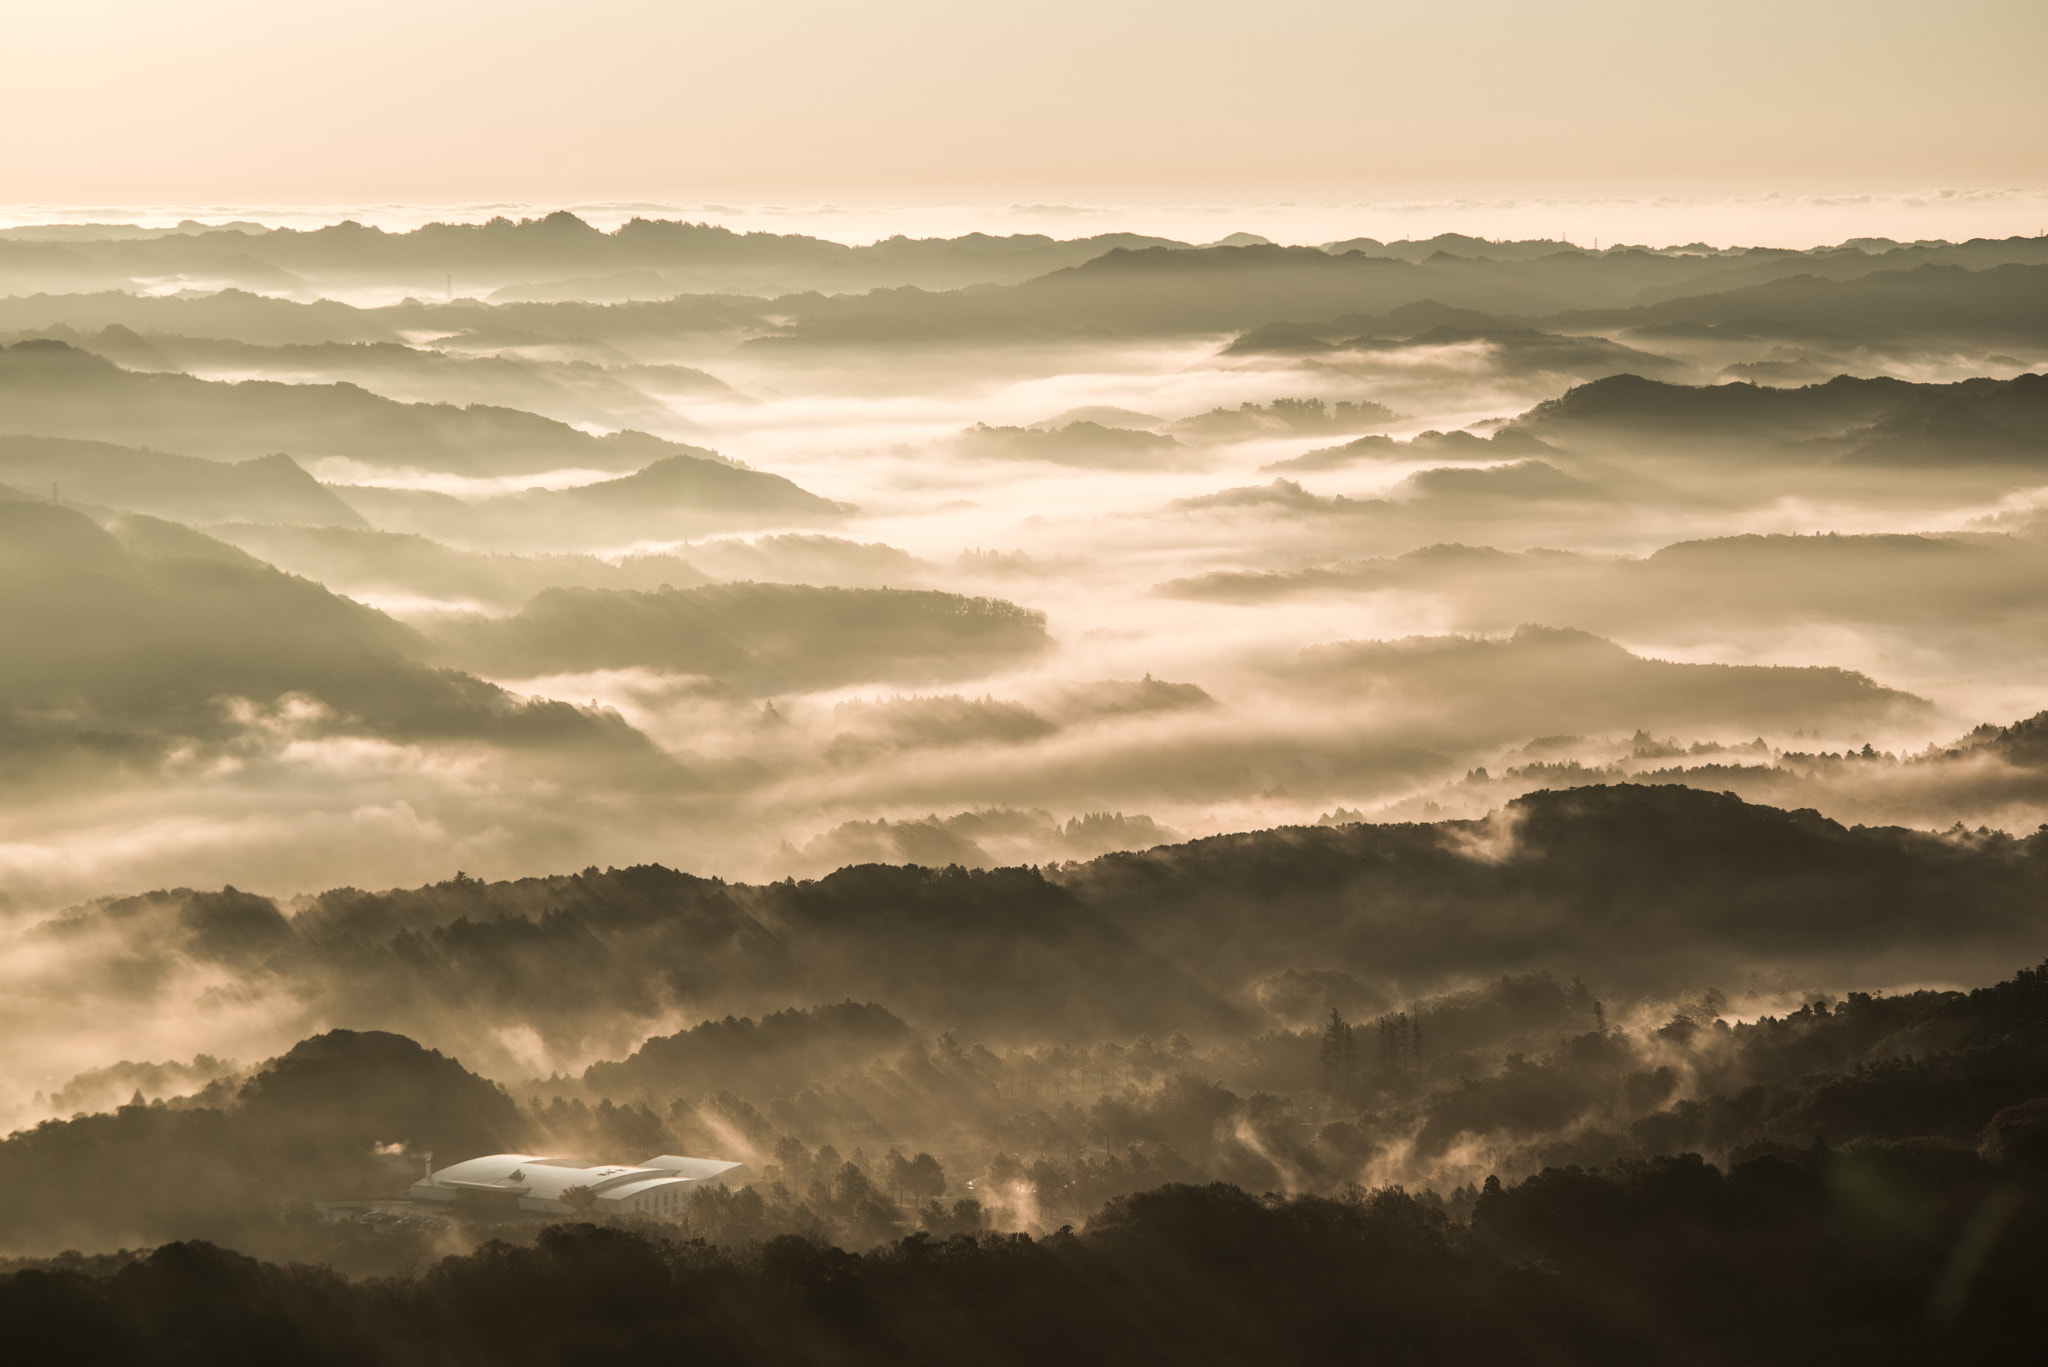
(118, 101)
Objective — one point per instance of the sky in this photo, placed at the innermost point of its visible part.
(921, 103)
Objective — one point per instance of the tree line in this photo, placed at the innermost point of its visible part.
(1876, 1253)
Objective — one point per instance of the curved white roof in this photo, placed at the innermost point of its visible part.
(627, 1191)
(696, 1169)
(539, 1178)
(547, 1181)
(494, 1168)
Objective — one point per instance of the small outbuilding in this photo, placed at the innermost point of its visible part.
(538, 1183)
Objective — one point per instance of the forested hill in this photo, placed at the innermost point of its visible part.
(1643, 883)
(1878, 421)
(1638, 889)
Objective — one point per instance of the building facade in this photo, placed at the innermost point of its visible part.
(539, 1183)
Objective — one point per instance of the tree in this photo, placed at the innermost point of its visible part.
(580, 1199)
(927, 1178)
(965, 1217)
(1579, 999)
(920, 1178)
(898, 1174)
(1003, 1173)
(1338, 1055)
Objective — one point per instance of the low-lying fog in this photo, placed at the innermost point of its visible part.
(1150, 544)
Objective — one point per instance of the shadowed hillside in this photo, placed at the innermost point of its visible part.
(184, 638)
(766, 638)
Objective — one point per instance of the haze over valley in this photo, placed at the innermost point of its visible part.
(1232, 759)
(1209, 538)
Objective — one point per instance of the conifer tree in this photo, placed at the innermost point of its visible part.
(1338, 1055)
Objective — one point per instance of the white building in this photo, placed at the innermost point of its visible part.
(656, 1187)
